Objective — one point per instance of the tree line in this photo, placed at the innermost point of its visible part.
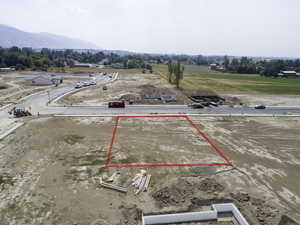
(27, 58)
(246, 65)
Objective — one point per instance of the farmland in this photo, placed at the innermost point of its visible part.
(199, 77)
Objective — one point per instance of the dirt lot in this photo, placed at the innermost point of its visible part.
(269, 100)
(50, 170)
(128, 87)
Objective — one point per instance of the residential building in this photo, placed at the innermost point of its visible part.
(7, 69)
(82, 65)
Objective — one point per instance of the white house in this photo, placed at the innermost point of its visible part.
(83, 65)
(7, 69)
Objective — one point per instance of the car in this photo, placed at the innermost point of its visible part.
(196, 106)
(117, 104)
(86, 84)
(260, 107)
(78, 85)
(93, 83)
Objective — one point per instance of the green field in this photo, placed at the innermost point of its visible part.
(196, 78)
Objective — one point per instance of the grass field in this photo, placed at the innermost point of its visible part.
(196, 77)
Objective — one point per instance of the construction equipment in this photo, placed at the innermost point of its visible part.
(19, 112)
(117, 104)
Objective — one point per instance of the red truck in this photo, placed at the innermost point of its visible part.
(118, 104)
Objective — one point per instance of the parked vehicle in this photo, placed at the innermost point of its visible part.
(93, 83)
(86, 84)
(117, 104)
(78, 85)
(260, 107)
(20, 112)
(196, 106)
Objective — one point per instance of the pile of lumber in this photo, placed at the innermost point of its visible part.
(141, 182)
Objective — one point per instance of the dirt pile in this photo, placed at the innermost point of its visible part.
(131, 214)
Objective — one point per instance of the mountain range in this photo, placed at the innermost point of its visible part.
(10, 36)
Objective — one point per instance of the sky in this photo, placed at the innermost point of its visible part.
(209, 27)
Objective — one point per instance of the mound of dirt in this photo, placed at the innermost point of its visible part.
(131, 214)
(210, 185)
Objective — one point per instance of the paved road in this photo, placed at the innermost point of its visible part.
(162, 109)
(39, 101)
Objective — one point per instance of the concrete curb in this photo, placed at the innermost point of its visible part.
(199, 115)
(4, 135)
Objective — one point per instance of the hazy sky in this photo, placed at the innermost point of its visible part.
(233, 27)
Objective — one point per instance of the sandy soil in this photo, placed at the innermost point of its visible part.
(269, 100)
(127, 87)
(50, 170)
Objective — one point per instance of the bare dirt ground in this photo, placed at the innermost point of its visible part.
(50, 170)
(127, 87)
(269, 100)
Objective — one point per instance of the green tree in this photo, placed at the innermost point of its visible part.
(171, 71)
(178, 71)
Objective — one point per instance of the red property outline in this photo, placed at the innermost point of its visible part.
(201, 134)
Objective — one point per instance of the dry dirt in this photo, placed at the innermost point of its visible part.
(127, 87)
(269, 100)
(50, 170)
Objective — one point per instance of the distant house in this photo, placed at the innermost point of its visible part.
(7, 69)
(45, 80)
(213, 66)
(291, 74)
(82, 65)
(117, 65)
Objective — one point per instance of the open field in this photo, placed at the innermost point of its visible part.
(239, 83)
(77, 70)
(50, 170)
(188, 69)
(200, 77)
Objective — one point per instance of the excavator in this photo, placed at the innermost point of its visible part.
(19, 111)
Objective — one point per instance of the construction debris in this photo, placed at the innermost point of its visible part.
(113, 187)
(113, 177)
(141, 181)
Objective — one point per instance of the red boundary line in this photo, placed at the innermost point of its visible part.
(117, 122)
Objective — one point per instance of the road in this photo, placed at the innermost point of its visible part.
(38, 104)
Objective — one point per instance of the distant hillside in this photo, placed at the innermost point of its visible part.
(10, 36)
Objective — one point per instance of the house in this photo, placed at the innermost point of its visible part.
(82, 65)
(213, 66)
(287, 74)
(117, 65)
(45, 80)
(7, 69)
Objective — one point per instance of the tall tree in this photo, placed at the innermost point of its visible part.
(178, 71)
(171, 71)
